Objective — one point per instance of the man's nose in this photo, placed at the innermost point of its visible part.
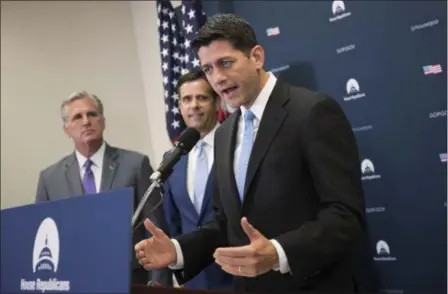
(218, 77)
(85, 120)
(195, 103)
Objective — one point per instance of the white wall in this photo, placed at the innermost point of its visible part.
(51, 49)
(144, 16)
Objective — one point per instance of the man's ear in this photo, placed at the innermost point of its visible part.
(104, 122)
(67, 133)
(257, 56)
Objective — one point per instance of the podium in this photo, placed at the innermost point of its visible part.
(76, 245)
(142, 289)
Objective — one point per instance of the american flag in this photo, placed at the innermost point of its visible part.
(432, 69)
(176, 35)
(273, 31)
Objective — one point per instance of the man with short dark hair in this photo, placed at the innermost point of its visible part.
(188, 191)
(95, 167)
(289, 199)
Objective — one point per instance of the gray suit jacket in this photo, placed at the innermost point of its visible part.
(121, 168)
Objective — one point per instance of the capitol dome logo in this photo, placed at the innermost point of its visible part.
(368, 170)
(382, 248)
(353, 90)
(383, 252)
(45, 261)
(367, 166)
(338, 7)
(339, 11)
(46, 247)
(352, 86)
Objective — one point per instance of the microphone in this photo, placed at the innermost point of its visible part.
(182, 146)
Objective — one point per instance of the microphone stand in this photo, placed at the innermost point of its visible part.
(156, 183)
(188, 138)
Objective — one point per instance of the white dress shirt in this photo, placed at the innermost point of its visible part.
(97, 165)
(257, 108)
(192, 157)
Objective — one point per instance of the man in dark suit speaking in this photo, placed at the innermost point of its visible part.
(289, 200)
(95, 167)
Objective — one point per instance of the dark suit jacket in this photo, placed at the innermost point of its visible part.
(303, 188)
(121, 168)
(183, 218)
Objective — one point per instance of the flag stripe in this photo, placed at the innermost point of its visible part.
(432, 69)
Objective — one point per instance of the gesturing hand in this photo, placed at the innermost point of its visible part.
(251, 260)
(157, 251)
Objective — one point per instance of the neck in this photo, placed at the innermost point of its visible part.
(263, 80)
(204, 133)
(90, 148)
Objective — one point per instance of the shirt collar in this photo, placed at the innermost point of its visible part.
(262, 99)
(209, 139)
(97, 157)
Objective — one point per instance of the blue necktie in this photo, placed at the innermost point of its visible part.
(89, 179)
(246, 148)
(201, 176)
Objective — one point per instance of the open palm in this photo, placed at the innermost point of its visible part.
(156, 252)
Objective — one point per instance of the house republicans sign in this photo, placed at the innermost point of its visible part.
(45, 261)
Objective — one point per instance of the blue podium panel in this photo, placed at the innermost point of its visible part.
(76, 245)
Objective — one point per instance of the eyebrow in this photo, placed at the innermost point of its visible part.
(220, 59)
(197, 95)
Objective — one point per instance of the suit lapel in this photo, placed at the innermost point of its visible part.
(273, 117)
(227, 158)
(110, 165)
(207, 196)
(72, 176)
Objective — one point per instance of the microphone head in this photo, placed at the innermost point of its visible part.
(188, 139)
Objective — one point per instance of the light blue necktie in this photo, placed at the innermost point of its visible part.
(201, 176)
(246, 148)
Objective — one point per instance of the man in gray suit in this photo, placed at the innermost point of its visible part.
(95, 167)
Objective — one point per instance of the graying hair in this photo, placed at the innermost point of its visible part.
(80, 95)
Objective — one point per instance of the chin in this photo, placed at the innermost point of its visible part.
(195, 125)
(90, 139)
(234, 103)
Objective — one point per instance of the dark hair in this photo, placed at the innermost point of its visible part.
(229, 27)
(194, 75)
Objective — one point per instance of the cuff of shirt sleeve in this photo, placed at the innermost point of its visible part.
(282, 259)
(179, 264)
